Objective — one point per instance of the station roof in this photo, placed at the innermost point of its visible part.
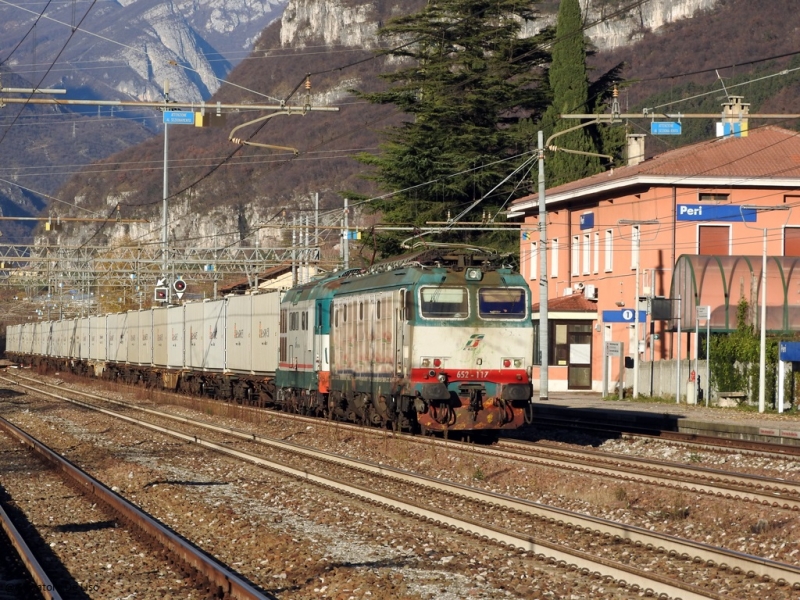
(767, 157)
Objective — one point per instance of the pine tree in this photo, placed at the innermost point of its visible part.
(467, 79)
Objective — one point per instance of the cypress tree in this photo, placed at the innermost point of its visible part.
(570, 89)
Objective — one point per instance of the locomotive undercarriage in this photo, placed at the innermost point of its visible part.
(402, 413)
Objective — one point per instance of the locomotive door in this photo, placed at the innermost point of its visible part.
(401, 316)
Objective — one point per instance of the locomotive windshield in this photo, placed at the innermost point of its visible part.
(502, 303)
(444, 303)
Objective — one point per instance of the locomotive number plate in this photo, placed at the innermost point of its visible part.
(472, 374)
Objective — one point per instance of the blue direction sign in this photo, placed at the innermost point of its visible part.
(623, 316)
(179, 117)
(790, 351)
(665, 128)
(587, 220)
(715, 212)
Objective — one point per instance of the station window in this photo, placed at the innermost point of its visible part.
(709, 197)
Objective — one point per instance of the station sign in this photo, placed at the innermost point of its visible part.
(627, 315)
(587, 220)
(789, 351)
(665, 128)
(179, 117)
(715, 212)
(613, 348)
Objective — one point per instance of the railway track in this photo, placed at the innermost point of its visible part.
(37, 584)
(215, 579)
(605, 429)
(661, 570)
(768, 491)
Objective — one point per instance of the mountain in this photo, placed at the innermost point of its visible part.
(224, 192)
(129, 48)
(121, 50)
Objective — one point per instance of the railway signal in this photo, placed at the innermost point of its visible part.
(179, 285)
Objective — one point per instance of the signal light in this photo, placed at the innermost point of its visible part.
(179, 285)
(161, 294)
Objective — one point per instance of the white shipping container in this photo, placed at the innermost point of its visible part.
(118, 337)
(85, 337)
(146, 337)
(214, 338)
(160, 336)
(175, 341)
(193, 335)
(239, 334)
(133, 337)
(98, 349)
(266, 332)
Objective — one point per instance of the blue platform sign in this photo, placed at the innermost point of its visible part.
(665, 128)
(623, 316)
(587, 220)
(715, 212)
(179, 117)
(790, 351)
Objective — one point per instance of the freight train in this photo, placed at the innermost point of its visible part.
(438, 340)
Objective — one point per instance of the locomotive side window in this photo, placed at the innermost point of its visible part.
(502, 303)
(444, 303)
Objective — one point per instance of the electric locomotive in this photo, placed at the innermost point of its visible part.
(439, 340)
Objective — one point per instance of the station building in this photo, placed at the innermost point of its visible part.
(691, 222)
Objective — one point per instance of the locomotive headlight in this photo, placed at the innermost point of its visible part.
(506, 362)
(426, 362)
(437, 362)
(473, 274)
(517, 363)
(442, 377)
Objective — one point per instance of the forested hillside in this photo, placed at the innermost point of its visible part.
(232, 190)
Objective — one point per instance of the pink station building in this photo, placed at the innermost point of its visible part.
(690, 222)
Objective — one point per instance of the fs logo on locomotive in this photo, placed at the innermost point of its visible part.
(473, 341)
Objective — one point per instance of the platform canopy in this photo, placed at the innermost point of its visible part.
(720, 282)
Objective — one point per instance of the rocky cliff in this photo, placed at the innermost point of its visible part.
(128, 48)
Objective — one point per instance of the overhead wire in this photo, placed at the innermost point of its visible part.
(360, 62)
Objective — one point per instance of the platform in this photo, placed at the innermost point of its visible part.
(722, 422)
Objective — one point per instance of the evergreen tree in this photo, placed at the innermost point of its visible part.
(570, 88)
(467, 77)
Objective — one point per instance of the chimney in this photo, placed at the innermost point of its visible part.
(734, 115)
(635, 148)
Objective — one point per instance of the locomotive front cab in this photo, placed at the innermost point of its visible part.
(472, 351)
